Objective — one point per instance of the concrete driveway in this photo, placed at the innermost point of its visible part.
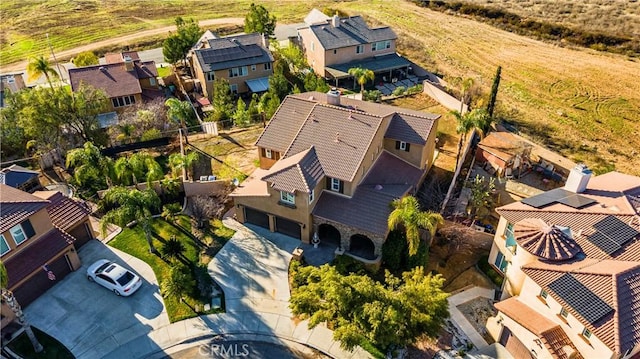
(89, 319)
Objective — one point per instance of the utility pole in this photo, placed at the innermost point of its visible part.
(54, 58)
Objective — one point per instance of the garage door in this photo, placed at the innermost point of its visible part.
(290, 228)
(256, 217)
(39, 282)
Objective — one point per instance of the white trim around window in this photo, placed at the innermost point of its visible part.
(359, 49)
(267, 153)
(311, 196)
(335, 184)
(287, 197)
(123, 101)
(403, 146)
(211, 76)
(4, 245)
(18, 234)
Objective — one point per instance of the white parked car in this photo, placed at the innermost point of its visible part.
(114, 277)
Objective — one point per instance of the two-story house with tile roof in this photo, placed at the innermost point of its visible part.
(124, 78)
(244, 60)
(571, 262)
(335, 45)
(44, 228)
(332, 166)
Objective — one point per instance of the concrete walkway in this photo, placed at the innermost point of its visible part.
(460, 320)
(253, 272)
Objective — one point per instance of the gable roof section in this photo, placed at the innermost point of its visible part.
(352, 31)
(31, 258)
(65, 212)
(15, 175)
(300, 172)
(233, 51)
(16, 206)
(285, 124)
(616, 283)
(409, 128)
(114, 79)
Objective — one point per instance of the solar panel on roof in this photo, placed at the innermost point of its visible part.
(576, 201)
(580, 298)
(546, 198)
(616, 229)
(603, 242)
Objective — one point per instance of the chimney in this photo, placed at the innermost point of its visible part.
(335, 21)
(337, 139)
(265, 44)
(128, 63)
(333, 97)
(578, 179)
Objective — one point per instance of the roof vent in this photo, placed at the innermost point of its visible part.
(333, 97)
(102, 68)
(569, 351)
(337, 137)
(378, 187)
(313, 118)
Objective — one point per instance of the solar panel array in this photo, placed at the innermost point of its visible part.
(211, 56)
(580, 298)
(558, 195)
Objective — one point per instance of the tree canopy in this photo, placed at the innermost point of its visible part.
(259, 20)
(177, 45)
(39, 66)
(222, 100)
(362, 75)
(86, 58)
(407, 214)
(393, 313)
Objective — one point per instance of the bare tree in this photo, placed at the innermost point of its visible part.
(205, 208)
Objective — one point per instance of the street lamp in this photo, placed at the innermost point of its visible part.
(54, 58)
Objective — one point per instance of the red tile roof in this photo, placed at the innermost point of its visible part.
(16, 206)
(545, 241)
(65, 212)
(615, 282)
(36, 253)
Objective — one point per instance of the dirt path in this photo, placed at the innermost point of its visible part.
(18, 66)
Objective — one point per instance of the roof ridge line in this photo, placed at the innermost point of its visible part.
(306, 119)
(364, 153)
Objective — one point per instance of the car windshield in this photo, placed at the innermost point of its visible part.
(103, 267)
(125, 278)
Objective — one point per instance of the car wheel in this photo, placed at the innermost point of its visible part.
(90, 278)
(116, 291)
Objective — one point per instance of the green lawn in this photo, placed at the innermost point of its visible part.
(53, 349)
(132, 241)
(164, 71)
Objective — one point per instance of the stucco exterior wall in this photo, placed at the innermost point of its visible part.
(374, 150)
(41, 223)
(315, 57)
(348, 54)
(414, 155)
(266, 163)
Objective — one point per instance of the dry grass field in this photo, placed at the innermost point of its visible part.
(582, 103)
(617, 17)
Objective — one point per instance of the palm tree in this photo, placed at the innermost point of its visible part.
(7, 297)
(178, 162)
(179, 111)
(89, 165)
(178, 284)
(362, 76)
(465, 85)
(169, 211)
(477, 120)
(407, 214)
(136, 166)
(172, 249)
(40, 66)
(125, 206)
(126, 132)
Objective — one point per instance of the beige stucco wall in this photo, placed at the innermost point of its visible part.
(207, 86)
(315, 57)
(348, 54)
(146, 84)
(266, 163)
(414, 155)
(41, 223)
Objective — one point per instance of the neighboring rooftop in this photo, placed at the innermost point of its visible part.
(15, 175)
(113, 78)
(503, 145)
(350, 31)
(16, 206)
(65, 212)
(604, 295)
(233, 51)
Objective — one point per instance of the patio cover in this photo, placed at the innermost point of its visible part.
(375, 64)
(258, 85)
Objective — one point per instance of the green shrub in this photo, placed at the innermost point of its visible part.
(486, 268)
(420, 259)
(394, 250)
(151, 134)
(372, 96)
(346, 265)
(399, 91)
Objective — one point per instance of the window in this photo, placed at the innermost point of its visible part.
(287, 197)
(335, 184)
(152, 81)
(381, 45)
(238, 71)
(311, 196)
(267, 153)
(253, 67)
(335, 51)
(501, 263)
(586, 333)
(123, 101)
(234, 89)
(4, 246)
(359, 49)
(564, 313)
(402, 146)
(267, 66)
(313, 46)
(18, 234)
(543, 294)
(211, 76)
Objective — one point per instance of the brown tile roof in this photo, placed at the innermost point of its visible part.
(550, 333)
(389, 178)
(114, 79)
(16, 206)
(65, 212)
(118, 57)
(252, 185)
(36, 253)
(300, 172)
(285, 124)
(409, 128)
(615, 282)
(545, 241)
(503, 145)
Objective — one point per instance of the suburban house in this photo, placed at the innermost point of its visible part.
(331, 166)
(124, 78)
(10, 83)
(571, 264)
(21, 178)
(334, 45)
(39, 236)
(243, 60)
